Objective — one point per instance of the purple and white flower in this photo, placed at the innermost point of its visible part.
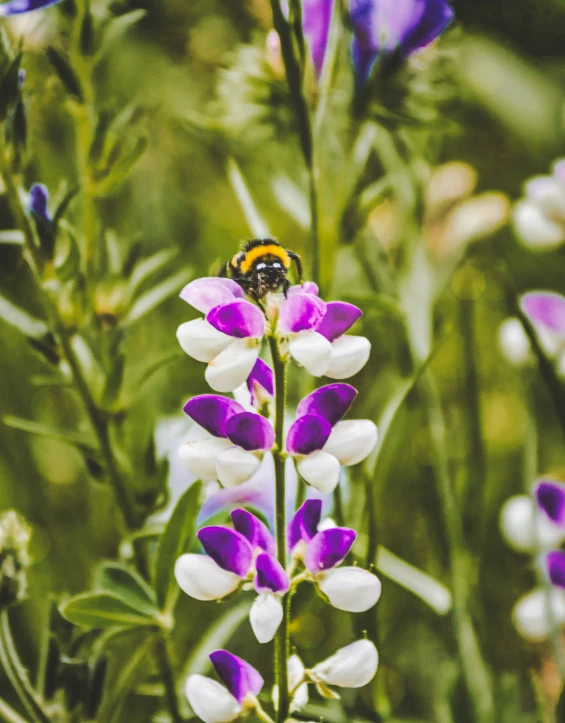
(234, 557)
(233, 449)
(526, 527)
(550, 496)
(229, 338)
(17, 7)
(382, 27)
(353, 666)
(530, 614)
(546, 311)
(347, 588)
(320, 442)
(213, 702)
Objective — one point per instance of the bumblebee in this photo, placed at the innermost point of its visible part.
(261, 267)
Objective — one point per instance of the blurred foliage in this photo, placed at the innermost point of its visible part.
(144, 119)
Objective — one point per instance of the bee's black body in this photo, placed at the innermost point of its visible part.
(261, 267)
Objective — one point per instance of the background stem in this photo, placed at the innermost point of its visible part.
(282, 642)
(167, 673)
(8, 714)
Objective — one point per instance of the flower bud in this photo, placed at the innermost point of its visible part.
(525, 529)
(15, 535)
(350, 588)
(351, 667)
(513, 342)
(537, 613)
(265, 616)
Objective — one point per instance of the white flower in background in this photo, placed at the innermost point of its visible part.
(525, 528)
(539, 217)
(537, 613)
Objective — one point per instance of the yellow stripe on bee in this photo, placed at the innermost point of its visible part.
(255, 253)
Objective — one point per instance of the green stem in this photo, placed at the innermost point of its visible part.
(164, 661)
(9, 715)
(294, 67)
(282, 640)
(97, 419)
(475, 671)
(17, 674)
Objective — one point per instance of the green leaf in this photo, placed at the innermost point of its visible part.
(256, 224)
(66, 74)
(116, 28)
(148, 267)
(67, 256)
(292, 200)
(131, 588)
(64, 204)
(178, 532)
(155, 296)
(102, 611)
(9, 86)
(21, 320)
(43, 430)
(113, 383)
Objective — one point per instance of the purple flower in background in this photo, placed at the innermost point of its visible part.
(555, 562)
(229, 338)
(17, 7)
(38, 200)
(237, 439)
(316, 21)
(216, 703)
(545, 309)
(347, 588)
(246, 552)
(381, 27)
(320, 442)
(550, 496)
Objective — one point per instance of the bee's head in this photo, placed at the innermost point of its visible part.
(271, 275)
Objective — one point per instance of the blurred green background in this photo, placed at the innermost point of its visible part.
(193, 75)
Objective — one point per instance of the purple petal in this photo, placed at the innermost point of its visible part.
(550, 497)
(316, 19)
(339, 318)
(308, 287)
(438, 14)
(38, 193)
(555, 561)
(545, 308)
(229, 549)
(239, 677)
(250, 431)
(253, 530)
(207, 293)
(239, 318)
(301, 312)
(308, 434)
(16, 7)
(270, 576)
(212, 412)
(304, 524)
(328, 548)
(261, 375)
(330, 402)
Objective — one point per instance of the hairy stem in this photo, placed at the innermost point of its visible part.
(282, 642)
(17, 674)
(165, 667)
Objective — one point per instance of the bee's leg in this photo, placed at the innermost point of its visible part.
(298, 263)
(286, 286)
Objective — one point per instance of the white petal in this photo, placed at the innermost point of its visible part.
(235, 466)
(296, 674)
(328, 523)
(351, 441)
(312, 350)
(321, 470)
(201, 578)
(549, 194)
(265, 616)
(349, 355)
(351, 667)
(210, 701)
(531, 616)
(525, 528)
(350, 588)
(233, 365)
(534, 229)
(201, 341)
(513, 342)
(199, 458)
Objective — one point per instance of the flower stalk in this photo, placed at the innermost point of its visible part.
(282, 636)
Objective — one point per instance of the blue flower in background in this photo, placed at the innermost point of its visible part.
(38, 200)
(17, 7)
(382, 27)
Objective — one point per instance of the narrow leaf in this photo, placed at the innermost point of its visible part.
(43, 430)
(116, 28)
(149, 266)
(178, 532)
(12, 237)
(66, 74)
(155, 296)
(20, 319)
(9, 86)
(292, 200)
(131, 588)
(256, 224)
(102, 611)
